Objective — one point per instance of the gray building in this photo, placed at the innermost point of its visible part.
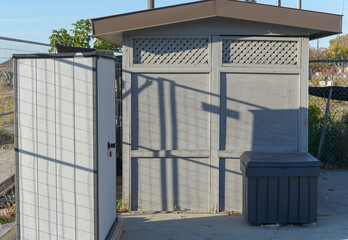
(202, 83)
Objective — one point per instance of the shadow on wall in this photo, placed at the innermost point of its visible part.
(173, 112)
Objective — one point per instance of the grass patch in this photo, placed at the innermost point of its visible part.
(120, 207)
(8, 210)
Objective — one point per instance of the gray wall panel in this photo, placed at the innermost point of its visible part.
(223, 108)
(169, 111)
(230, 185)
(167, 184)
(259, 112)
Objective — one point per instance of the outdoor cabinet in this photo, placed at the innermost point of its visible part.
(65, 172)
(279, 187)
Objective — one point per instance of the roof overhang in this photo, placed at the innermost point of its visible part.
(319, 24)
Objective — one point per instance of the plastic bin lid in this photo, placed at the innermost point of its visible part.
(272, 159)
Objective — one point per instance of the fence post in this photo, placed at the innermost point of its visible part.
(322, 139)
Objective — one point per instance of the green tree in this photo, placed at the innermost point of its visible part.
(81, 36)
(315, 54)
(338, 48)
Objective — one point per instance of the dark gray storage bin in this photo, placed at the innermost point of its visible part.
(279, 187)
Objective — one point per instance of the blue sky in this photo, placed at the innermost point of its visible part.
(34, 20)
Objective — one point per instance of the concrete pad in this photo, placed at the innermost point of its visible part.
(332, 220)
(7, 164)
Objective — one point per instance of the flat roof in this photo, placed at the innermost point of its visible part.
(63, 55)
(110, 28)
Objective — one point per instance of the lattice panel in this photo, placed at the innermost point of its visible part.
(182, 51)
(260, 52)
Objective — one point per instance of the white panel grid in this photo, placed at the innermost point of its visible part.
(83, 149)
(64, 80)
(27, 143)
(46, 141)
(48, 113)
(260, 52)
(171, 51)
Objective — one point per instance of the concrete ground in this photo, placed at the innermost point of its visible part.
(332, 220)
(7, 164)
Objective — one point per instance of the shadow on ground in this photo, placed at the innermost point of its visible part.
(332, 220)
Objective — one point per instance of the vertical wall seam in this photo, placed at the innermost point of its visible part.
(299, 129)
(278, 199)
(257, 200)
(134, 137)
(16, 145)
(301, 76)
(309, 199)
(267, 200)
(210, 141)
(288, 205)
(214, 52)
(74, 114)
(129, 109)
(298, 198)
(55, 141)
(37, 158)
(95, 145)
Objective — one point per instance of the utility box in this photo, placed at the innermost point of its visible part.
(64, 120)
(279, 187)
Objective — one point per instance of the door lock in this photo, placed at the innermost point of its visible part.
(111, 145)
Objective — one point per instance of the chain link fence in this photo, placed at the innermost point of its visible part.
(328, 112)
(8, 47)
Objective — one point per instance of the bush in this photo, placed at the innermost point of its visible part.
(334, 152)
(315, 125)
(8, 212)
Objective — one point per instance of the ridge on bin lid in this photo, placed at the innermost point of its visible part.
(279, 159)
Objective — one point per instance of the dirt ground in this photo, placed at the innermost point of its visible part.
(7, 120)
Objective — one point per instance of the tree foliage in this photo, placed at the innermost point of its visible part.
(80, 36)
(318, 54)
(338, 48)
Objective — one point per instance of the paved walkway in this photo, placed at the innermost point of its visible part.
(332, 220)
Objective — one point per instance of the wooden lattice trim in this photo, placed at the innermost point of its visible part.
(176, 51)
(260, 52)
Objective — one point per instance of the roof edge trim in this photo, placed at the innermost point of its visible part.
(324, 24)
